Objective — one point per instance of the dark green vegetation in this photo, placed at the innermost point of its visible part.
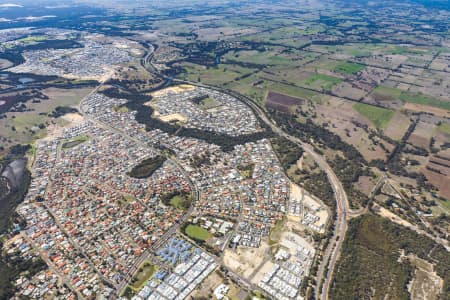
(288, 153)
(147, 167)
(312, 178)
(369, 266)
(246, 170)
(379, 116)
(11, 267)
(74, 142)
(12, 196)
(348, 167)
(49, 44)
(60, 111)
(178, 199)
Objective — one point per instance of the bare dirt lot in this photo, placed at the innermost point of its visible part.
(439, 180)
(207, 286)
(344, 89)
(426, 284)
(281, 102)
(245, 260)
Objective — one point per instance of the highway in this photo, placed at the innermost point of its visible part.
(331, 254)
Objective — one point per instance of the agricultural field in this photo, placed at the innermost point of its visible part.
(355, 128)
(424, 100)
(379, 116)
(348, 68)
(384, 93)
(397, 126)
(265, 58)
(281, 102)
(214, 75)
(320, 82)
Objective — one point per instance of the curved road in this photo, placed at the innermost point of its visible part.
(330, 256)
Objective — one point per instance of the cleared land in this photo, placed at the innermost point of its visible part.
(384, 93)
(281, 102)
(320, 82)
(23, 127)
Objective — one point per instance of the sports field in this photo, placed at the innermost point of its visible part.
(197, 232)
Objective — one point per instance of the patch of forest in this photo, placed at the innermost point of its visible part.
(369, 266)
(147, 167)
(348, 167)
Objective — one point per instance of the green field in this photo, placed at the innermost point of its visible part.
(120, 109)
(217, 75)
(444, 127)
(386, 93)
(258, 57)
(246, 170)
(379, 116)
(197, 232)
(320, 82)
(349, 68)
(369, 266)
(177, 202)
(208, 103)
(424, 100)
